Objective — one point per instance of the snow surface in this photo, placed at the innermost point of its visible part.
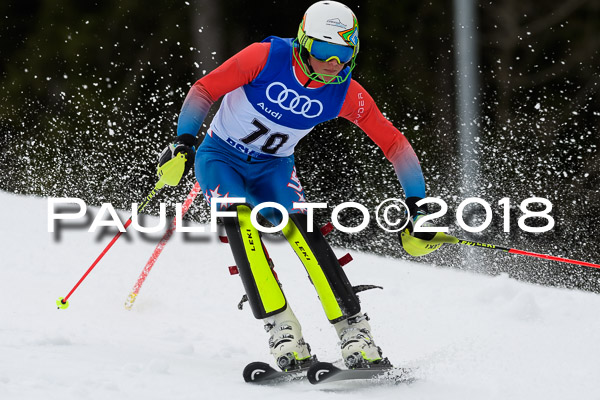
(471, 336)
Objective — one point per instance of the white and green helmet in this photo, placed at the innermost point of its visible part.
(329, 30)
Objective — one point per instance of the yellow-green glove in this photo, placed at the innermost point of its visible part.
(418, 244)
(419, 247)
(184, 145)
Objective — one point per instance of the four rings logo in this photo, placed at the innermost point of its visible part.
(290, 100)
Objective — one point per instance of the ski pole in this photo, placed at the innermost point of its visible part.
(170, 173)
(525, 253)
(159, 248)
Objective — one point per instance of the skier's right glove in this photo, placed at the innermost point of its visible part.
(421, 243)
(183, 144)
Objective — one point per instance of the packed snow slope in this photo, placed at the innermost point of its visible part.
(470, 336)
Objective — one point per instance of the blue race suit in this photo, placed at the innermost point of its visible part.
(248, 151)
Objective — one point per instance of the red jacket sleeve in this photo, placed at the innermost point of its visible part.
(237, 71)
(360, 109)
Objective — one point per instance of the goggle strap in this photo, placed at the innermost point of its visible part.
(304, 40)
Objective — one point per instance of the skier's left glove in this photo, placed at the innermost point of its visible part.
(183, 144)
(421, 243)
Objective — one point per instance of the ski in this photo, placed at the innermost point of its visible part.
(321, 372)
(262, 373)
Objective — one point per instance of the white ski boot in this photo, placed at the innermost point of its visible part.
(358, 348)
(286, 341)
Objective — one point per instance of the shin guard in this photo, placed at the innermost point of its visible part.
(262, 288)
(335, 291)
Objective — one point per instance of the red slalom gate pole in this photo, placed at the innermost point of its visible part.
(526, 253)
(159, 248)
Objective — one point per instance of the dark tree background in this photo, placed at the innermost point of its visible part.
(90, 92)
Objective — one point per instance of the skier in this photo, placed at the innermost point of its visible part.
(275, 92)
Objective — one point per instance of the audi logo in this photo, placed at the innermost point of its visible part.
(298, 104)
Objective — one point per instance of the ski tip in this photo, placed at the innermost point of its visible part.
(319, 371)
(256, 371)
